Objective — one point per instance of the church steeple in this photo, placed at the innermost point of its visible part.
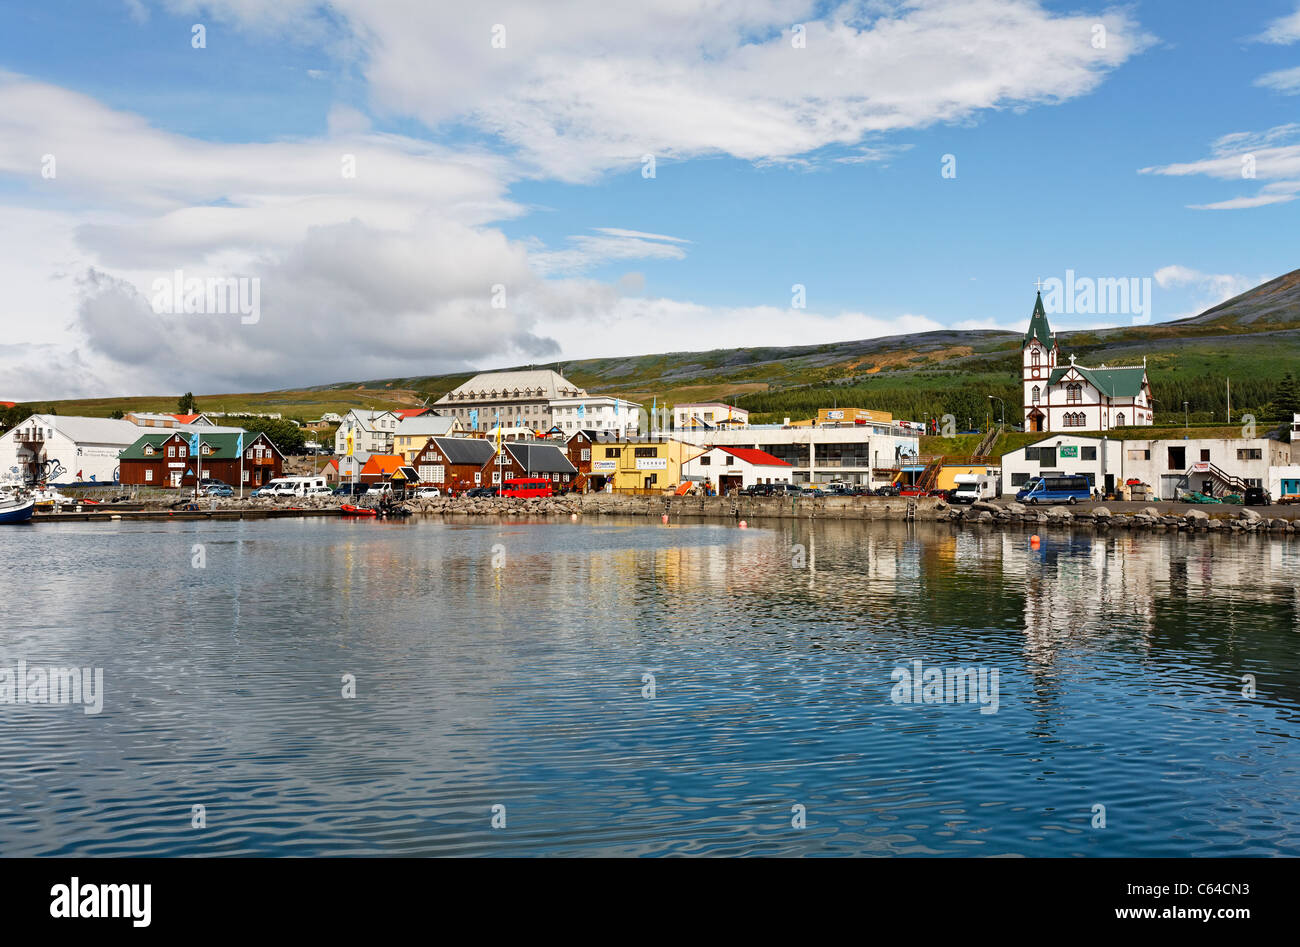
(1038, 327)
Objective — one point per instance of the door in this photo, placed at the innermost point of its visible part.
(175, 478)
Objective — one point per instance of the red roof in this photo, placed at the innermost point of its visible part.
(752, 455)
(382, 465)
(410, 412)
(187, 418)
(8, 404)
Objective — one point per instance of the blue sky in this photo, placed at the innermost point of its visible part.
(521, 167)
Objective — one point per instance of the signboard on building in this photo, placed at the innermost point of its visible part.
(1070, 450)
(603, 465)
(652, 463)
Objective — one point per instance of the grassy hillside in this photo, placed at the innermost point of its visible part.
(1252, 339)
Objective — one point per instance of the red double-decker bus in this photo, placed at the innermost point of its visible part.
(526, 487)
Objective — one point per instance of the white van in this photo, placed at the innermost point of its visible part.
(972, 487)
(296, 487)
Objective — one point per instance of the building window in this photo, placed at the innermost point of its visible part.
(1037, 358)
(1019, 479)
(1119, 419)
(1074, 393)
(1075, 419)
(171, 450)
(148, 450)
(1252, 453)
(706, 460)
(1205, 456)
(1139, 455)
(148, 475)
(585, 453)
(1034, 394)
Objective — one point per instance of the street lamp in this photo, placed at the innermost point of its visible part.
(1186, 423)
(1004, 408)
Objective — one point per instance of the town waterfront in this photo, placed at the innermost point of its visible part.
(620, 687)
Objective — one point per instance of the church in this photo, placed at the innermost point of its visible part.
(1070, 396)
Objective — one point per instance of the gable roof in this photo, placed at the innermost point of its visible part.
(224, 445)
(1038, 327)
(540, 458)
(404, 413)
(382, 464)
(1111, 382)
(465, 450)
(752, 455)
(114, 431)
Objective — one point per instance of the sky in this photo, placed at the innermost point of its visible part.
(407, 187)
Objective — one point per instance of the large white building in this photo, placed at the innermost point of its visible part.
(1214, 466)
(596, 413)
(1058, 397)
(864, 454)
(708, 414)
(66, 449)
(729, 468)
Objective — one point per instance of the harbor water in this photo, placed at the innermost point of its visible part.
(623, 687)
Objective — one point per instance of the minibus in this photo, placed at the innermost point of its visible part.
(1056, 489)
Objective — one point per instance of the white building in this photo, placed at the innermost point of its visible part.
(1215, 466)
(863, 454)
(372, 432)
(708, 414)
(1058, 397)
(596, 413)
(521, 399)
(728, 468)
(62, 449)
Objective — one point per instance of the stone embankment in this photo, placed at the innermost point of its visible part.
(1243, 519)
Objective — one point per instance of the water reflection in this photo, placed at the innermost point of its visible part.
(504, 663)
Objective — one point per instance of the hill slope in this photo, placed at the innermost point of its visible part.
(1252, 338)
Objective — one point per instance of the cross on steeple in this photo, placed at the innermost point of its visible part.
(1038, 284)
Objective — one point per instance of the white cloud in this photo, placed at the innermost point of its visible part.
(1247, 156)
(582, 86)
(1282, 31)
(1207, 289)
(1286, 81)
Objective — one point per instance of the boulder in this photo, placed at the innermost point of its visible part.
(1015, 508)
(1246, 513)
(1196, 516)
(1101, 512)
(1150, 511)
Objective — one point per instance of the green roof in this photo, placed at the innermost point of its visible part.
(1038, 327)
(1111, 382)
(224, 446)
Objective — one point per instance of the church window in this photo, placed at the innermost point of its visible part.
(1073, 393)
(1119, 419)
(1037, 357)
(1034, 394)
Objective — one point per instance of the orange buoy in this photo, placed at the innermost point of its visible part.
(1034, 540)
(744, 525)
(664, 518)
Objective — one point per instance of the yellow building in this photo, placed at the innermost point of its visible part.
(948, 473)
(412, 434)
(640, 463)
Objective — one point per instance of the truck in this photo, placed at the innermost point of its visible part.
(972, 487)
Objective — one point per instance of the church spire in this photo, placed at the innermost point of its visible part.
(1038, 327)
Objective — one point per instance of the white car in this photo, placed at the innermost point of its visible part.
(425, 493)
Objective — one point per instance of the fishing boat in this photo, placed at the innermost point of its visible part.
(350, 510)
(16, 507)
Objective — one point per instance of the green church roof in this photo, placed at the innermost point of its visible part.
(1038, 327)
(1111, 382)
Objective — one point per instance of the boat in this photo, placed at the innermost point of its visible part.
(350, 510)
(16, 508)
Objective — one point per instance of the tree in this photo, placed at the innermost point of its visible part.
(286, 436)
(116, 414)
(1287, 398)
(186, 404)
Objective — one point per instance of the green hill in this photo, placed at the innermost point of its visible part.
(1254, 339)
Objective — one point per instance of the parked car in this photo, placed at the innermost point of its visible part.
(351, 489)
(425, 493)
(483, 492)
(218, 490)
(1289, 498)
(1067, 489)
(211, 482)
(888, 490)
(1257, 496)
